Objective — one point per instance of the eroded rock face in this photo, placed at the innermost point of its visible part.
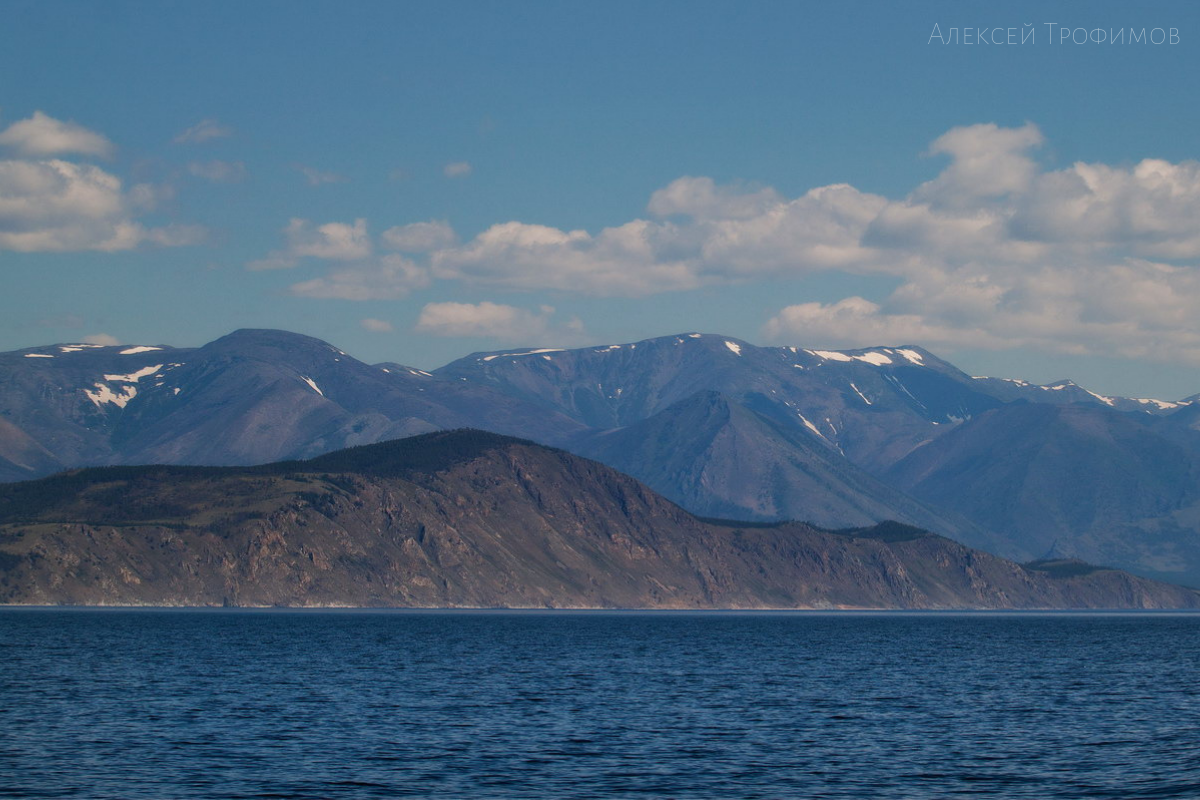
(468, 519)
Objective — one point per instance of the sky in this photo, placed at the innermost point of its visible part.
(416, 181)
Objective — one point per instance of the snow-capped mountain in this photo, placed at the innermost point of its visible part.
(725, 428)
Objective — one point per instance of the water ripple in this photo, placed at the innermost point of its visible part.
(176, 704)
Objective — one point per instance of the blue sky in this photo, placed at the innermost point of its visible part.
(815, 174)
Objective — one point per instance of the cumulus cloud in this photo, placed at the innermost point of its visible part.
(857, 322)
(457, 169)
(387, 278)
(316, 177)
(701, 198)
(42, 135)
(986, 161)
(376, 325)
(632, 259)
(818, 231)
(101, 339)
(994, 251)
(998, 253)
(58, 205)
(54, 205)
(495, 321)
(203, 131)
(1133, 309)
(218, 171)
(420, 237)
(338, 241)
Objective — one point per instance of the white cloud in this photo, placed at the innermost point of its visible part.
(101, 339)
(1131, 309)
(41, 136)
(316, 177)
(857, 322)
(387, 278)
(457, 169)
(995, 251)
(218, 171)
(337, 241)
(1150, 209)
(632, 259)
(819, 231)
(420, 237)
(490, 320)
(987, 161)
(149, 196)
(376, 325)
(701, 198)
(203, 131)
(62, 206)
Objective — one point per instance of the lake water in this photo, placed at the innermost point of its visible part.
(273, 704)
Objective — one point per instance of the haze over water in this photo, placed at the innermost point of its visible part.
(241, 704)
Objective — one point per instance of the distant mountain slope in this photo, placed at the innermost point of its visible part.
(872, 405)
(473, 519)
(60, 404)
(719, 459)
(1067, 391)
(1101, 485)
(257, 396)
(248, 397)
(837, 437)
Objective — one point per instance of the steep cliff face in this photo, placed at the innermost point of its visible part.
(472, 519)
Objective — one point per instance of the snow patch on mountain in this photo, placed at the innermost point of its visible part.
(526, 353)
(878, 359)
(736, 348)
(860, 394)
(313, 384)
(104, 394)
(139, 349)
(810, 426)
(829, 355)
(1162, 404)
(134, 377)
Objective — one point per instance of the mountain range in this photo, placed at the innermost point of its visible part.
(835, 438)
(474, 519)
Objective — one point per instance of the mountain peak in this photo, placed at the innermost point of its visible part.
(428, 453)
(271, 345)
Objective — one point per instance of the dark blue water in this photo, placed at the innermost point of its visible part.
(177, 704)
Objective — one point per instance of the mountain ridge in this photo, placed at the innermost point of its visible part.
(471, 519)
(806, 433)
